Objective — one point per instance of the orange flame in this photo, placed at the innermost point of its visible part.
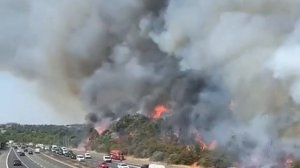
(159, 111)
(211, 146)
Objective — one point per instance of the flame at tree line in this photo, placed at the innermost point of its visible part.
(159, 111)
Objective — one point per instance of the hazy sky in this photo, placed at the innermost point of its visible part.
(20, 102)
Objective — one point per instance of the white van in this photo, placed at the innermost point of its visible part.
(80, 158)
(37, 150)
(156, 166)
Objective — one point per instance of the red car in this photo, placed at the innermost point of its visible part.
(102, 165)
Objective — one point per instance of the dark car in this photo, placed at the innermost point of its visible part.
(25, 150)
(102, 165)
(15, 147)
(60, 152)
(17, 163)
(21, 154)
(67, 154)
(72, 155)
(145, 166)
(30, 152)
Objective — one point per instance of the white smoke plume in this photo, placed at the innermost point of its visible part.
(118, 57)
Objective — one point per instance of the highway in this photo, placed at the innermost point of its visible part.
(89, 163)
(97, 158)
(48, 159)
(26, 162)
(36, 161)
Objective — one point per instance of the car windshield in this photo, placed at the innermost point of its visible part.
(123, 165)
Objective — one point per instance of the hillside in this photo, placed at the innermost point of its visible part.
(142, 137)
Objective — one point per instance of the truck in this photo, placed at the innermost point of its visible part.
(37, 150)
(156, 166)
(117, 155)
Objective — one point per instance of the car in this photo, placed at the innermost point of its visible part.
(25, 150)
(60, 152)
(53, 149)
(107, 158)
(30, 152)
(87, 156)
(15, 147)
(67, 154)
(21, 154)
(80, 158)
(65, 151)
(17, 163)
(19, 151)
(72, 155)
(37, 150)
(145, 166)
(102, 165)
(122, 165)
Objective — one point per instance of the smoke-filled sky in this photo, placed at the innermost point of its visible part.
(228, 69)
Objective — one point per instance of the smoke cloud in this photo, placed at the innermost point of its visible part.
(225, 68)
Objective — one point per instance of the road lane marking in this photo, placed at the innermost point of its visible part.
(20, 159)
(59, 161)
(35, 162)
(7, 158)
(45, 161)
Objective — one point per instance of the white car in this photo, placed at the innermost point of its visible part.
(19, 151)
(107, 158)
(65, 151)
(37, 150)
(87, 156)
(123, 165)
(80, 158)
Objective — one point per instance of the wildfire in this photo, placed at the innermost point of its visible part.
(203, 145)
(100, 130)
(288, 162)
(159, 111)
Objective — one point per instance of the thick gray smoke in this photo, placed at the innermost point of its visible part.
(224, 68)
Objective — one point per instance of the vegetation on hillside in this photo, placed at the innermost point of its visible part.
(141, 137)
(45, 134)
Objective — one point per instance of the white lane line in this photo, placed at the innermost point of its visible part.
(7, 158)
(36, 162)
(59, 161)
(45, 161)
(20, 159)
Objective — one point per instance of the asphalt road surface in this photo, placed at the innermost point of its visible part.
(88, 163)
(39, 160)
(50, 160)
(98, 158)
(3, 156)
(26, 162)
